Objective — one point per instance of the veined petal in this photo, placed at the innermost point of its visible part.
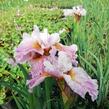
(77, 88)
(53, 51)
(54, 38)
(56, 66)
(37, 74)
(81, 83)
(90, 84)
(37, 67)
(28, 46)
(44, 38)
(35, 81)
(23, 54)
(64, 62)
(52, 69)
(49, 40)
(21, 57)
(48, 66)
(70, 51)
(36, 33)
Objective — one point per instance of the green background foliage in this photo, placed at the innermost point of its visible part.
(91, 35)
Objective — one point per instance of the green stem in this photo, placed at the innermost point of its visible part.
(47, 91)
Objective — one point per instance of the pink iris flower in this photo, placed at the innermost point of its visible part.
(76, 10)
(35, 49)
(35, 45)
(76, 78)
(70, 50)
(47, 57)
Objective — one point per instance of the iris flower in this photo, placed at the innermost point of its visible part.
(36, 45)
(79, 10)
(49, 58)
(76, 78)
(35, 49)
(76, 11)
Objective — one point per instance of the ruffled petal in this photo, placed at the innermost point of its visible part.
(81, 83)
(37, 74)
(37, 67)
(56, 66)
(48, 40)
(36, 33)
(52, 69)
(44, 36)
(64, 62)
(75, 86)
(54, 38)
(70, 51)
(35, 82)
(28, 47)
